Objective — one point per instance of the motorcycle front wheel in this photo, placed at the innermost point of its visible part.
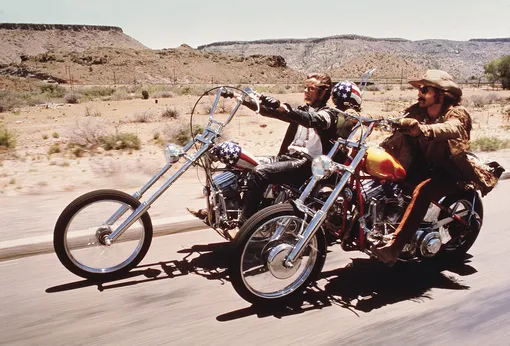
(81, 229)
(256, 268)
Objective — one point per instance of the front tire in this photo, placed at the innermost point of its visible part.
(80, 230)
(256, 269)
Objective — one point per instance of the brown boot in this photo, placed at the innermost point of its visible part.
(387, 254)
(200, 213)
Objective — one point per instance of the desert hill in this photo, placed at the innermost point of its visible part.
(82, 54)
(182, 65)
(351, 54)
(18, 40)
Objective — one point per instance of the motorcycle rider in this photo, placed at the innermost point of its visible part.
(436, 129)
(346, 97)
(311, 128)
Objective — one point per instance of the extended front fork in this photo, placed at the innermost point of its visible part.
(206, 141)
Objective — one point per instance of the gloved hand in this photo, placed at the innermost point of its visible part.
(269, 102)
(227, 93)
(410, 126)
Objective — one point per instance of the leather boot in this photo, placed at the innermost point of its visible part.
(387, 253)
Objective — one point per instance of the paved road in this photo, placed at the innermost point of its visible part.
(180, 296)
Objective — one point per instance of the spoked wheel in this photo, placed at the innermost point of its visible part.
(79, 236)
(462, 236)
(257, 269)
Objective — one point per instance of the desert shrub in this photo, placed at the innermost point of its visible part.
(145, 94)
(224, 106)
(53, 90)
(163, 94)
(10, 101)
(170, 113)
(97, 91)
(143, 117)
(78, 151)
(120, 141)
(55, 135)
(90, 112)
(208, 108)
(72, 97)
(191, 90)
(482, 100)
(182, 134)
(54, 149)
(87, 133)
(489, 144)
(121, 94)
(506, 113)
(7, 138)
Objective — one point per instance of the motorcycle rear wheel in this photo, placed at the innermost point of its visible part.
(256, 269)
(80, 230)
(462, 238)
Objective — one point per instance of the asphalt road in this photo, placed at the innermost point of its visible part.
(180, 295)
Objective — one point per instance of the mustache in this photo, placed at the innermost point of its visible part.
(421, 99)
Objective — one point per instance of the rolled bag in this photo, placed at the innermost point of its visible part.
(478, 174)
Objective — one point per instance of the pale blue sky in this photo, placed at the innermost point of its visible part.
(169, 23)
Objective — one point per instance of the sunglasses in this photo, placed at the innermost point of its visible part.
(313, 88)
(425, 89)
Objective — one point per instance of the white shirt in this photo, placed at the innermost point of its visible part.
(308, 141)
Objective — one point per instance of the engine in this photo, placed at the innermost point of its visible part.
(229, 192)
(386, 204)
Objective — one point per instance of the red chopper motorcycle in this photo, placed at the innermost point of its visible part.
(281, 249)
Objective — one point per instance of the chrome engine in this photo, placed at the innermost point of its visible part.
(386, 206)
(227, 195)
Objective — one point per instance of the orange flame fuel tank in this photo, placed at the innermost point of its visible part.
(378, 163)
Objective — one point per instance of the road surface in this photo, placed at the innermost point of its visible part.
(180, 295)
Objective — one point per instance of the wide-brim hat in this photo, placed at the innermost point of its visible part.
(438, 79)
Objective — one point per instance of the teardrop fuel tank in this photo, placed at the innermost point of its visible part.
(231, 154)
(378, 163)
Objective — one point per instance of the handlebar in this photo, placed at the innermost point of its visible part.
(246, 92)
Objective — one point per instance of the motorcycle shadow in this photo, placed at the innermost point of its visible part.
(208, 260)
(365, 284)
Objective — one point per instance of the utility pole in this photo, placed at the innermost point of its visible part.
(69, 75)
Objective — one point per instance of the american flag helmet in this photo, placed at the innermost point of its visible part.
(346, 93)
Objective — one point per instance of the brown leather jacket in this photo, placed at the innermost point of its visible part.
(445, 142)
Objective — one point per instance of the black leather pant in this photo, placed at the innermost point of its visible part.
(283, 169)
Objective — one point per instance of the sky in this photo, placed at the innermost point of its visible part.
(169, 23)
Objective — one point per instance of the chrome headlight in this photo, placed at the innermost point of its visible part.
(322, 166)
(173, 152)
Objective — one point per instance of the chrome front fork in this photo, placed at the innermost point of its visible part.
(143, 207)
(319, 217)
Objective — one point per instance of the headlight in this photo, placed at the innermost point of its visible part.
(322, 166)
(173, 152)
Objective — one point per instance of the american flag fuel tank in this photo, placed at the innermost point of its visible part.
(231, 154)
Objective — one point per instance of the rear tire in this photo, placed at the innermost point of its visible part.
(462, 238)
(247, 268)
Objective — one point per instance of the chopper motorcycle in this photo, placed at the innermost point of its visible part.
(281, 249)
(106, 233)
